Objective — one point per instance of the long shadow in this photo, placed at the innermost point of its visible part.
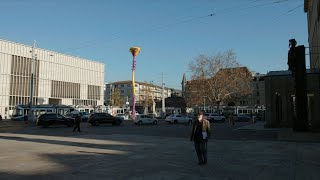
(65, 143)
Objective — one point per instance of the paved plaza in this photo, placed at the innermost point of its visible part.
(151, 152)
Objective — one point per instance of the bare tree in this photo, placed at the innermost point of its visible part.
(148, 96)
(218, 78)
(116, 98)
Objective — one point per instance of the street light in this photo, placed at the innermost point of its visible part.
(134, 51)
(33, 58)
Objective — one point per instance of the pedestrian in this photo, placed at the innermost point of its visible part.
(77, 121)
(231, 119)
(200, 134)
(25, 119)
(0, 117)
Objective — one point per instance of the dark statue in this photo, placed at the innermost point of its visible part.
(292, 55)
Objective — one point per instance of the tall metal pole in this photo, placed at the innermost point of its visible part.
(163, 99)
(134, 51)
(30, 113)
(133, 89)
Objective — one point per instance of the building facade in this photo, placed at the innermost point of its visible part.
(143, 92)
(58, 78)
(255, 99)
(281, 107)
(312, 8)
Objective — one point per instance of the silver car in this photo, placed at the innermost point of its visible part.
(145, 119)
(178, 118)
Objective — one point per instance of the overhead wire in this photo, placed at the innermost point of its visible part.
(183, 22)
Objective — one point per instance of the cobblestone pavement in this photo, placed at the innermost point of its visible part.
(57, 153)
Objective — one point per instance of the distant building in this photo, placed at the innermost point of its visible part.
(58, 78)
(143, 91)
(173, 105)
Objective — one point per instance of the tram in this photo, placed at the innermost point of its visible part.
(22, 110)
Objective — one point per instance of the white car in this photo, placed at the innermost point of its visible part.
(145, 119)
(214, 117)
(177, 118)
(123, 116)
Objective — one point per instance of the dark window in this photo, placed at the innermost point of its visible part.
(258, 94)
(258, 101)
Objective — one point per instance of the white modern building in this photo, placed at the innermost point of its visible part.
(58, 78)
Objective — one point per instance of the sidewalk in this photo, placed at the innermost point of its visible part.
(283, 134)
(8, 125)
(258, 126)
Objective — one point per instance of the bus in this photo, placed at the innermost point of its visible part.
(22, 110)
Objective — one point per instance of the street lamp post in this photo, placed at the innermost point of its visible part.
(134, 51)
(33, 58)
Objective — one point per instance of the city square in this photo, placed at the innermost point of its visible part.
(162, 151)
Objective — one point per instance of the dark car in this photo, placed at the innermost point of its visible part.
(243, 117)
(96, 119)
(49, 119)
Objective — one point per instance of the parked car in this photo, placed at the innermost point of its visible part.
(177, 118)
(49, 119)
(214, 117)
(243, 117)
(145, 119)
(96, 119)
(123, 116)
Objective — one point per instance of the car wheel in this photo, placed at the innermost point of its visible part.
(45, 125)
(96, 123)
(154, 122)
(223, 119)
(117, 122)
(140, 122)
(175, 121)
(212, 119)
(190, 122)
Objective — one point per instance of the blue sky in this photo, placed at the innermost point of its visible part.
(170, 33)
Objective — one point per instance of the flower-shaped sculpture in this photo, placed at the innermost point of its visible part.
(134, 51)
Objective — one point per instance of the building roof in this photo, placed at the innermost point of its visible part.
(287, 72)
(142, 83)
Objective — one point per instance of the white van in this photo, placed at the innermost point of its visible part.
(83, 114)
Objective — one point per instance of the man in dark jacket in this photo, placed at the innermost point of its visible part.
(77, 123)
(200, 134)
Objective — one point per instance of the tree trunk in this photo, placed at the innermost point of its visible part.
(218, 107)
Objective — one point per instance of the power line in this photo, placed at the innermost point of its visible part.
(287, 12)
(185, 21)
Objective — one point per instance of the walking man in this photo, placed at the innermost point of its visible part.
(200, 134)
(77, 123)
(231, 119)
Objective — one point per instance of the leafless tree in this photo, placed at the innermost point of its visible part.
(147, 99)
(116, 98)
(218, 78)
